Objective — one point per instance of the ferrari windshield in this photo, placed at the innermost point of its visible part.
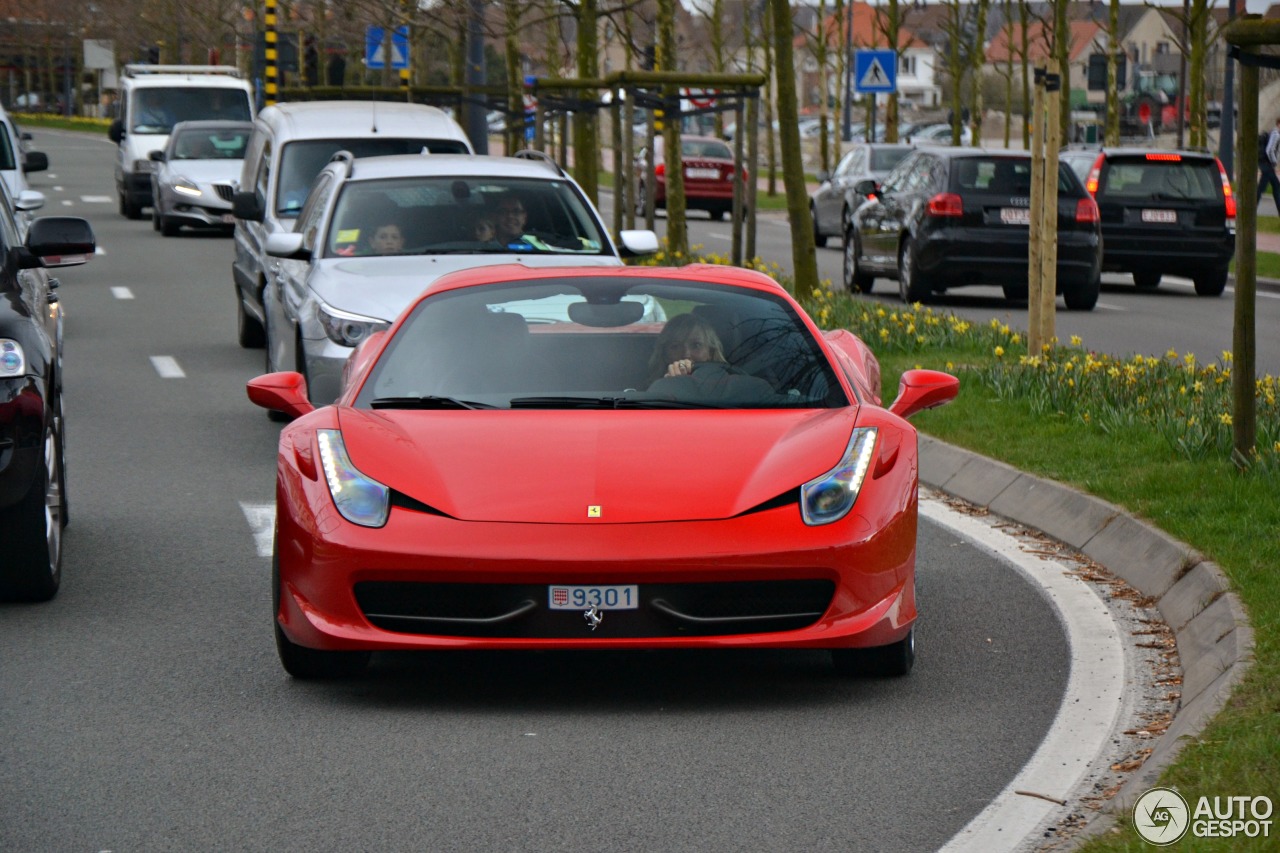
(460, 215)
(602, 342)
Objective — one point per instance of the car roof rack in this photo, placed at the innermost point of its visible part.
(541, 157)
(140, 69)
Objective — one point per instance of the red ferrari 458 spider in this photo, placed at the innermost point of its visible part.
(589, 458)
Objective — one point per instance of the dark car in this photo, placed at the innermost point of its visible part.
(835, 199)
(950, 217)
(33, 498)
(1163, 213)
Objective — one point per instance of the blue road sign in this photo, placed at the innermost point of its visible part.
(875, 71)
(375, 47)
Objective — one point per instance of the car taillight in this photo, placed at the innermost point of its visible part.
(1086, 211)
(1167, 158)
(1228, 196)
(1091, 182)
(946, 204)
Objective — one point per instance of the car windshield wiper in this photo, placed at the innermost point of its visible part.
(426, 402)
(567, 402)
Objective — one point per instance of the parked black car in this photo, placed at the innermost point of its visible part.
(950, 217)
(835, 198)
(1163, 213)
(33, 497)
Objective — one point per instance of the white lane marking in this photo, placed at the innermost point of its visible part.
(98, 250)
(66, 202)
(1090, 708)
(56, 188)
(715, 235)
(167, 366)
(122, 293)
(1107, 306)
(96, 199)
(262, 521)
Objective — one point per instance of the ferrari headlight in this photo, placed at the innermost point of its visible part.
(360, 500)
(12, 360)
(830, 497)
(185, 187)
(346, 328)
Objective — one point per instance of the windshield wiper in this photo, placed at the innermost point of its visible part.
(602, 403)
(426, 402)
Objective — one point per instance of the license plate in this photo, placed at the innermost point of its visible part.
(611, 597)
(703, 174)
(1015, 215)
(1159, 216)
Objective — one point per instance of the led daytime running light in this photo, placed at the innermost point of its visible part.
(360, 500)
(830, 497)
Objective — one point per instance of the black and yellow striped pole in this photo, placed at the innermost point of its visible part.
(271, 54)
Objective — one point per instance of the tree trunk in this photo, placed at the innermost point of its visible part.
(803, 254)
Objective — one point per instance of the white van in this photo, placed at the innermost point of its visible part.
(153, 98)
(290, 144)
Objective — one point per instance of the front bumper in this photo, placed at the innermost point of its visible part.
(430, 582)
(212, 209)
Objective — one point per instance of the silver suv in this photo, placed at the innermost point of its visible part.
(374, 232)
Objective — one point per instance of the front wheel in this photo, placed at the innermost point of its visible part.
(1146, 280)
(249, 331)
(819, 239)
(892, 661)
(169, 226)
(32, 530)
(1211, 282)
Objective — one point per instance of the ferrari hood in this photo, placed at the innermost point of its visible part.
(552, 466)
(382, 286)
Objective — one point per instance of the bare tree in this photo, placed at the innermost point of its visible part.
(803, 254)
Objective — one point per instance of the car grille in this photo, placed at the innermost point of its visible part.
(224, 191)
(665, 609)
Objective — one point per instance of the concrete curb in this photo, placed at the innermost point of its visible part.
(1211, 628)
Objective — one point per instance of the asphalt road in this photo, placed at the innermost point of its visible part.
(144, 708)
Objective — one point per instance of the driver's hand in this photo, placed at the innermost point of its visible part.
(683, 367)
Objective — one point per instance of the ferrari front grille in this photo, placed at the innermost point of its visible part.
(665, 609)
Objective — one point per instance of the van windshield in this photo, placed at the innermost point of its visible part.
(157, 110)
(301, 161)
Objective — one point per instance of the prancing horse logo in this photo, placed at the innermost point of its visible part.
(593, 616)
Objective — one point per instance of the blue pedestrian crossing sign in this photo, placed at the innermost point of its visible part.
(375, 47)
(875, 71)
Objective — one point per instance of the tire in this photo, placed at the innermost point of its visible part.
(1211, 282)
(169, 227)
(819, 239)
(892, 661)
(1016, 292)
(1083, 298)
(128, 209)
(716, 214)
(910, 287)
(32, 530)
(1146, 280)
(155, 219)
(302, 662)
(856, 279)
(248, 330)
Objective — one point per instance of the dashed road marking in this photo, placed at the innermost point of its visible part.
(167, 366)
(262, 521)
(96, 199)
(122, 293)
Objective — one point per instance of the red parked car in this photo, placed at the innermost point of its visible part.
(708, 175)
(490, 478)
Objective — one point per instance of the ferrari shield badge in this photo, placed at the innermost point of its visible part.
(593, 510)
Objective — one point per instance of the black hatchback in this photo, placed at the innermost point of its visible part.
(1163, 213)
(950, 217)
